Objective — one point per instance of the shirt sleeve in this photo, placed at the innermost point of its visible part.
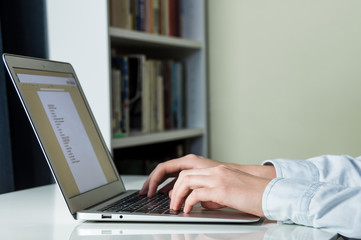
(343, 169)
(323, 205)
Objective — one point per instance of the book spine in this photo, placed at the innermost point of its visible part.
(165, 17)
(156, 14)
(172, 18)
(130, 14)
(147, 70)
(150, 16)
(183, 93)
(160, 98)
(153, 97)
(180, 90)
(147, 95)
(135, 92)
(113, 13)
(125, 95)
(174, 95)
(142, 15)
(116, 101)
(167, 89)
(119, 13)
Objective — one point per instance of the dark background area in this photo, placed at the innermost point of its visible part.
(23, 32)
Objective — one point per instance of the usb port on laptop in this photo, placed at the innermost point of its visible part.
(106, 216)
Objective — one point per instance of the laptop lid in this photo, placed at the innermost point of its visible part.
(66, 130)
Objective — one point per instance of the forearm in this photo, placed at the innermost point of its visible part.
(316, 204)
(341, 169)
(268, 171)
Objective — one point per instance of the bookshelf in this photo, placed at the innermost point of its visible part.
(87, 41)
(157, 137)
(123, 37)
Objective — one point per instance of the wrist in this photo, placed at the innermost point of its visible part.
(268, 171)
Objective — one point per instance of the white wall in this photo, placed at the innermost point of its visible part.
(78, 33)
(285, 78)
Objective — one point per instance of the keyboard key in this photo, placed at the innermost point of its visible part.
(159, 204)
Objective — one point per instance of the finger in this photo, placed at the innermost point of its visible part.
(145, 187)
(198, 195)
(158, 176)
(165, 170)
(211, 205)
(200, 172)
(184, 173)
(184, 187)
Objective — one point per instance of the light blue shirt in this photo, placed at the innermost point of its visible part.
(322, 192)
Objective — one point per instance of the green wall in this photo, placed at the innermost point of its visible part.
(284, 78)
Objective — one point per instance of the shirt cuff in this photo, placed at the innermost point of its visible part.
(288, 200)
(286, 168)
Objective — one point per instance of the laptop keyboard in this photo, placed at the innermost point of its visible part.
(135, 203)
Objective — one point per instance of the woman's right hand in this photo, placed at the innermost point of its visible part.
(172, 168)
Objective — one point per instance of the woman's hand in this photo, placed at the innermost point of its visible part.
(171, 169)
(219, 186)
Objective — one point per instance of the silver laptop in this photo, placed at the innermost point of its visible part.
(77, 154)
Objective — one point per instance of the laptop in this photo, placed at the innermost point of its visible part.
(77, 154)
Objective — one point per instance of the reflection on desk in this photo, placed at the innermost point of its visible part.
(41, 213)
(142, 231)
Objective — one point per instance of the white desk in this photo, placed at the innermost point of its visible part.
(41, 213)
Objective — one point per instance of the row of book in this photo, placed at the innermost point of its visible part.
(147, 95)
(153, 16)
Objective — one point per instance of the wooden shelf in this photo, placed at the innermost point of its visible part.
(136, 38)
(157, 137)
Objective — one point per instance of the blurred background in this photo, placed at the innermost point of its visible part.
(282, 80)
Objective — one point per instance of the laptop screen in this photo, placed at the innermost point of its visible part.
(61, 116)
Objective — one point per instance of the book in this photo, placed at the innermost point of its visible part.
(119, 11)
(134, 14)
(146, 98)
(147, 95)
(116, 102)
(160, 97)
(156, 17)
(141, 18)
(163, 17)
(153, 96)
(181, 96)
(178, 97)
(167, 89)
(121, 63)
(174, 99)
(136, 65)
(148, 16)
(164, 4)
(174, 17)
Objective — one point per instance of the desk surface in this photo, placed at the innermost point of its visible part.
(41, 213)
